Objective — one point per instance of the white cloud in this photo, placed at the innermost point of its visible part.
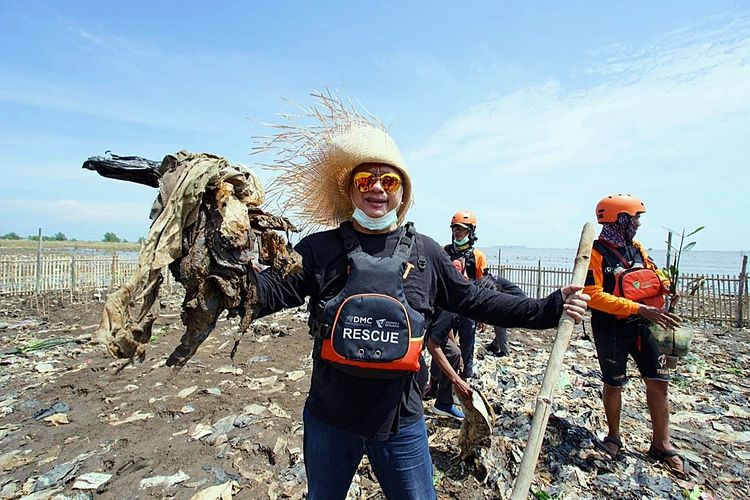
(75, 211)
(676, 112)
(76, 219)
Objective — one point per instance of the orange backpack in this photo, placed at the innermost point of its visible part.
(633, 281)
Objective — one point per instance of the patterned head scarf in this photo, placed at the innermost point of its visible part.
(622, 232)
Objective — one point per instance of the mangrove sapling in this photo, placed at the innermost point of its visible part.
(675, 342)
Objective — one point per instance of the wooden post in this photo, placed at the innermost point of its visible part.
(73, 275)
(539, 279)
(741, 291)
(39, 263)
(552, 374)
(499, 257)
(113, 271)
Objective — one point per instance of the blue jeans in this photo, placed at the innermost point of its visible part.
(402, 464)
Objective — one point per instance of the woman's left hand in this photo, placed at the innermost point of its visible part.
(575, 302)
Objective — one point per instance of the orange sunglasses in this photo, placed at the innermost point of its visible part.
(366, 180)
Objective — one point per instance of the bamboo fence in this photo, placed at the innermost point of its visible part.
(709, 298)
(23, 274)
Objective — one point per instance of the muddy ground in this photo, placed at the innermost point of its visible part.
(69, 410)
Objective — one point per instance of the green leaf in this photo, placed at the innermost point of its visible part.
(695, 494)
(695, 231)
(688, 246)
(542, 495)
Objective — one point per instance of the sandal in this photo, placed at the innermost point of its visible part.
(610, 440)
(663, 456)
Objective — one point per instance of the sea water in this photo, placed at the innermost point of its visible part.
(693, 261)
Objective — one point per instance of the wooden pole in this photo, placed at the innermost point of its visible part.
(113, 271)
(39, 263)
(73, 275)
(539, 279)
(741, 291)
(552, 374)
(499, 257)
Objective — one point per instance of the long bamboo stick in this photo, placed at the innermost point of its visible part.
(552, 374)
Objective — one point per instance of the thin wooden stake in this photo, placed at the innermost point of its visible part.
(73, 275)
(552, 374)
(539, 279)
(39, 263)
(741, 291)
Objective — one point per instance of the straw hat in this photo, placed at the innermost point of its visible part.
(316, 162)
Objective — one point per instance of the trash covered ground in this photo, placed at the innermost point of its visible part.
(77, 424)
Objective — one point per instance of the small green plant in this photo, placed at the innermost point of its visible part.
(156, 335)
(543, 495)
(694, 494)
(680, 381)
(673, 270)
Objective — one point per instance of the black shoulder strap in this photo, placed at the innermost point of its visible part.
(405, 241)
(351, 242)
(611, 255)
(470, 260)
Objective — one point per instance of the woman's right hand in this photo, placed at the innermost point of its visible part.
(659, 316)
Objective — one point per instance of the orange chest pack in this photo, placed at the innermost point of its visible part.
(630, 279)
(369, 329)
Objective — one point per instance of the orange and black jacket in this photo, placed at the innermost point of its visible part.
(600, 285)
(474, 258)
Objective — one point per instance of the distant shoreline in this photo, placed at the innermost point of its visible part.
(26, 245)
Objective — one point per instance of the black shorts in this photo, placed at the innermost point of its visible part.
(629, 338)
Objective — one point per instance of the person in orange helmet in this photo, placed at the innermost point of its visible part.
(627, 295)
(463, 236)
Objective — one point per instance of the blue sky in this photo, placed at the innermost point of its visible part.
(528, 113)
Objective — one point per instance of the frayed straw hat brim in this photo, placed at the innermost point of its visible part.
(316, 163)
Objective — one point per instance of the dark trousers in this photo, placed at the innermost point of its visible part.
(467, 331)
(500, 343)
(444, 394)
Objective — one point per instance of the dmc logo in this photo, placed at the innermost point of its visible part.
(637, 285)
(380, 322)
(359, 319)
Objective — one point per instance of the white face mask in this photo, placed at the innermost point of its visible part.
(375, 223)
(462, 241)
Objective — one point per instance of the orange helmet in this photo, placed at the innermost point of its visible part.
(610, 207)
(465, 218)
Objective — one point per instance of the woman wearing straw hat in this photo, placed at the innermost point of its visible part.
(373, 285)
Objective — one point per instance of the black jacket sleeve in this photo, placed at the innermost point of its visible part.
(507, 286)
(440, 326)
(277, 293)
(493, 307)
